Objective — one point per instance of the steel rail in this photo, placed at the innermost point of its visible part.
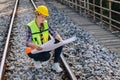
(33, 4)
(7, 41)
(72, 76)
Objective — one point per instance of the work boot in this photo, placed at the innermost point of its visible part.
(57, 67)
(37, 64)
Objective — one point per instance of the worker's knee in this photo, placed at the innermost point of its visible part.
(40, 56)
(47, 57)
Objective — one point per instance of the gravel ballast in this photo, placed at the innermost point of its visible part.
(88, 59)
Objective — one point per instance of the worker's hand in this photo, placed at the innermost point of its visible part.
(38, 47)
(33, 46)
(58, 37)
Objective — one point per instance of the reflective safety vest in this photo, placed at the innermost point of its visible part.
(39, 36)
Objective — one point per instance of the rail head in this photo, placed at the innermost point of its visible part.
(7, 41)
(72, 76)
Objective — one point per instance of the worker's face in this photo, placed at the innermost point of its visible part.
(41, 18)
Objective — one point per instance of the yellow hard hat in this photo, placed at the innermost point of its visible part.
(42, 10)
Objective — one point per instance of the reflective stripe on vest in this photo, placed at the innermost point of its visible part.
(36, 32)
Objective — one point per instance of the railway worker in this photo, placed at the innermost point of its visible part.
(37, 33)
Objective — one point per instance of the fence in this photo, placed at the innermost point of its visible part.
(96, 9)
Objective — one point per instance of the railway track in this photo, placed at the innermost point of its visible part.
(5, 15)
(7, 46)
(87, 59)
(2, 66)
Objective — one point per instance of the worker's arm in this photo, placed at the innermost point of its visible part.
(54, 34)
(34, 46)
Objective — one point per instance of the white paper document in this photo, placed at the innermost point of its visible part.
(50, 45)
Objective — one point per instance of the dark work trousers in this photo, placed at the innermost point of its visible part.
(44, 56)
